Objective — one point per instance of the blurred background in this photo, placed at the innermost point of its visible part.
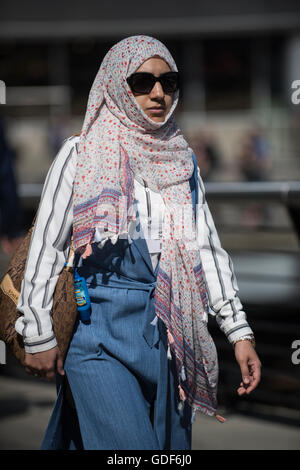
(238, 62)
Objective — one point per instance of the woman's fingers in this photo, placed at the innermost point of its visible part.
(50, 375)
(254, 378)
(245, 372)
(44, 364)
(34, 372)
(29, 371)
(255, 368)
(60, 366)
(50, 371)
(250, 366)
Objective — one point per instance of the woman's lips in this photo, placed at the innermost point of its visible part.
(156, 110)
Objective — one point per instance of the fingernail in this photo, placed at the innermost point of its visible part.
(246, 380)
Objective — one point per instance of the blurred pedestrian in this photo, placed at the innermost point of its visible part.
(10, 212)
(58, 131)
(254, 162)
(143, 363)
(254, 158)
(207, 153)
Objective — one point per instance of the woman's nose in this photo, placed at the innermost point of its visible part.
(157, 91)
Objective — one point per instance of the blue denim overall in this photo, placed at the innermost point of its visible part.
(125, 388)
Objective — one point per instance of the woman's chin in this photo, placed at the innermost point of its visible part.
(157, 118)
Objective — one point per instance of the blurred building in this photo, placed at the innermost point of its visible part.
(238, 60)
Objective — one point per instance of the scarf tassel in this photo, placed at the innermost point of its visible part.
(220, 418)
(87, 252)
(170, 342)
(193, 415)
(169, 355)
(182, 396)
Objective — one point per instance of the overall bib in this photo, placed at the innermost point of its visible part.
(124, 387)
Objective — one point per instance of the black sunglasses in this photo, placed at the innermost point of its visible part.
(143, 82)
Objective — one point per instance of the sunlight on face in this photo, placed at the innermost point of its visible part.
(157, 104)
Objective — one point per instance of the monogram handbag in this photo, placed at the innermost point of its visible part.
(64, 309)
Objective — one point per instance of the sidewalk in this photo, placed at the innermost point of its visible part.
(242, 432)
(26, 405)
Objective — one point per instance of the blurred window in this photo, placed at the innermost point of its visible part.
(85, 57)
(30, 60)
(227, 73)
(277, 50)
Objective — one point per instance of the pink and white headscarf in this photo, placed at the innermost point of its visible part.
(118, 140)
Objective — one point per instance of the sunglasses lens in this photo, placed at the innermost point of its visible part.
(170, 82)
(142, 83)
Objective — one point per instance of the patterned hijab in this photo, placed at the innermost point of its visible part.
(117, 142)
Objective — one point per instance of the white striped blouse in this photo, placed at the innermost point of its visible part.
(51, 240)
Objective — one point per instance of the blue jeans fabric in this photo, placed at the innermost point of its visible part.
(125, 388)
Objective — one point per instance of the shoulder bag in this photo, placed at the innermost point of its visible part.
(64, 308)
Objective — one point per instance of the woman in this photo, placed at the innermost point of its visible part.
(145, 362)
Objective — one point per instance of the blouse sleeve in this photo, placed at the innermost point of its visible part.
(48, 251)
(219, 276)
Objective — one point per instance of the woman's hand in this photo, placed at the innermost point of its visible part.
(45, 363)
(250, 366)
